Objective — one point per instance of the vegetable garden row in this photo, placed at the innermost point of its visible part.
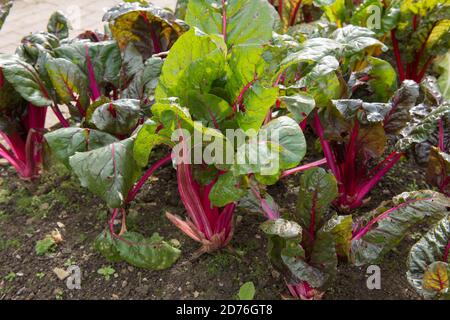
(367, 81)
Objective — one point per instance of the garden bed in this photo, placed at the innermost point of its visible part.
(35, 210)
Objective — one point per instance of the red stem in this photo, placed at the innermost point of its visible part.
(134, 191)
(303, 167)
(224, 21)
(294, 13)
(446, 252)
(280, 8)
(398, 59)
(424, 69)
(155, 39)
(60, 117)
(441, 135)
(270, 214)
(385, 214)
(365, 189)
(92, 82)
(16, 163)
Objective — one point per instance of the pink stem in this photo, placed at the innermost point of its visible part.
(16, 163)
(92, 82)
(134, 191)
(270, 214)
(441, 135)
(446, 252)
(60, 116)
(398, 59)
(385, 214)
(365, 189)
(224, 21)
(303, 167)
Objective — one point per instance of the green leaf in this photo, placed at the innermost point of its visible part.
(210, 109)
(65, 142)
(257, 102)
(149, 253)
(247, 291)
(105, 58)
(226, 190)
(109, 171)
(439, 169)
(365, 112)
(282, 228)
(59, 25)
(404, 99)
(244, 25)
(429, 250)
(45, 245)
(443, 65)
(279, 145)
(382, 81)
(118, 117)
(354, 40)
(317, 190)
(387, 227)
(69, 81)
(25, 80)
(146, 140)
(105, 244)
(299, 105)
(149, 28)
(195, 61)
(341, 228)
(421, 131)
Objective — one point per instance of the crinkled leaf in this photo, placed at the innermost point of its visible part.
(69, 81)
(149, 28)
(25, 80)
(438, 172)
(388, 227)
(109, 171)
(105, 244)
(59, 25)
(341, 228)
(365, 112)
(282, 228)
(430, 249)
(317, 190)
(299, 105)
(118, 117)
(65, 142)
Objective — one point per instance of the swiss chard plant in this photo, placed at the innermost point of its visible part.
(429, 262)
(25, 95)
(219, 76)
(307, 247)
(108, 83)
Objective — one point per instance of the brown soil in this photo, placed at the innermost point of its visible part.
(29, 211)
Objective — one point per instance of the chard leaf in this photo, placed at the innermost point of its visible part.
(109, 171)
(59, 25)
(438, 172)
(341, 228)
(443, 65)
(210, 109)
(388, 228)
(378, 81)
(146, 139)
(356, 39)
(226, 190)
(279, 145)
(282, 228)
(105, 58)
(149, 28)
(365, 112)
(25, 80)
(244, 24)
(65, 142)
(118, 117)
(299, 105)
(425, 128)
(145, 80)
(426, 257)
(195, 61)
(153, 253)
(149, 253)
(404, 99)
(257, 102)
(317, 190)
(69, 81)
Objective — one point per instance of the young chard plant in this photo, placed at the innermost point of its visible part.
(25, 95)
(219, 76)
(306, 249)
(109, 85)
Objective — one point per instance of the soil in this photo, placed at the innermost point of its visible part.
(31, 210)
